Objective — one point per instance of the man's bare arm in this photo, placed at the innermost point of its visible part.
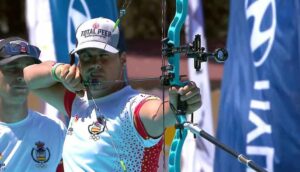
(40, 80)
(153, 117)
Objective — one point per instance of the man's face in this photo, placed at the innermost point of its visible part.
(12, 85)
(102, 67)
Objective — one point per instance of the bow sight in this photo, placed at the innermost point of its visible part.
(194, 51)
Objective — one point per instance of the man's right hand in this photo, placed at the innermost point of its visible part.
(70, 77)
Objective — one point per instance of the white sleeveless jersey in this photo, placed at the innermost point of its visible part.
(31, 145)
(111, 143)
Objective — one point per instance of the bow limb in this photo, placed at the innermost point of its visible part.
(174, 60)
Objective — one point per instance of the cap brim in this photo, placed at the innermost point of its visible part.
(98, 45)
(13, 58)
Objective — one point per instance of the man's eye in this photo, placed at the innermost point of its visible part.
(84, 57)
(10, 69)
(104, 56)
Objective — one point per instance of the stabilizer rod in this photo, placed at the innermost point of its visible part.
(241, 158)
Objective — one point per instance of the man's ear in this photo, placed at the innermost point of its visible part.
(123, 58)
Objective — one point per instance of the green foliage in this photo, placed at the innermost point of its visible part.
(216, 14)
(143, 19)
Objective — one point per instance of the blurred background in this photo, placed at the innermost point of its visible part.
(142, 27)
(250, 103)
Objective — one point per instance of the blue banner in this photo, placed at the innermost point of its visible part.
(67, 15)
(260, 103)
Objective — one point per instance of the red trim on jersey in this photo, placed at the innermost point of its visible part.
(60, 167)
(138, 122)
(68, 101)
(151, 157)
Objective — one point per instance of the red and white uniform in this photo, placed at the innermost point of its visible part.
(90, 146)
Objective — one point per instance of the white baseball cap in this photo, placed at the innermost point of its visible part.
(97, 33)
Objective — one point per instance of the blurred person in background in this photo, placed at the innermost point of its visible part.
(29, 141)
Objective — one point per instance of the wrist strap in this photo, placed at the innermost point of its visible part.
(53, 73)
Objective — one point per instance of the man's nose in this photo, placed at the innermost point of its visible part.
(96, 66)
(20, 78)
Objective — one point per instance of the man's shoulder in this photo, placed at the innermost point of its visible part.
(50, 120)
